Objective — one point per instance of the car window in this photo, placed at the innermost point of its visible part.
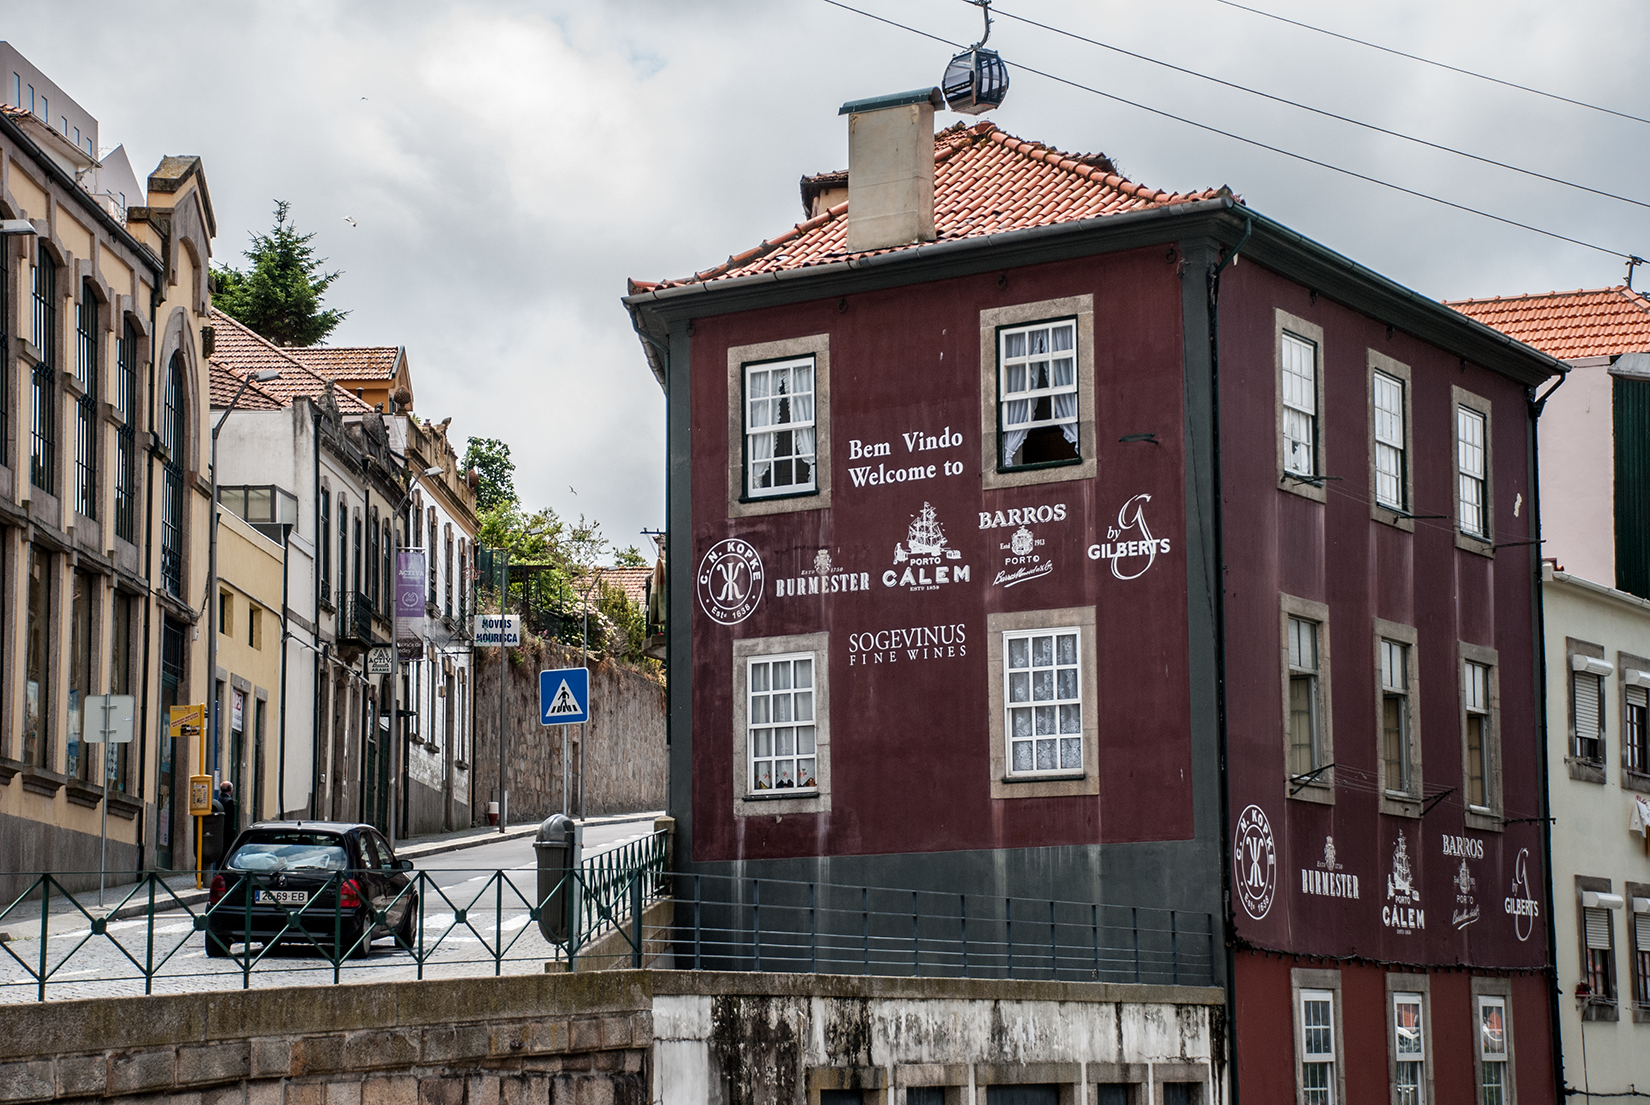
(386, 855)
(290, 851)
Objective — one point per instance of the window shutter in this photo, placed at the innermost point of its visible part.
(1586, 696)
(1641, 933)
(1638, 696)
(1598, 929)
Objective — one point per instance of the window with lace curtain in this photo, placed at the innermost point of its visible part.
(780, 446)
(1037, 394)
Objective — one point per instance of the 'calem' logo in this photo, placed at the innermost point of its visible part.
(729, 582)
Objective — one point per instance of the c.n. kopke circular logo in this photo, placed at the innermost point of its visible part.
(1254, 862)
(730, 581)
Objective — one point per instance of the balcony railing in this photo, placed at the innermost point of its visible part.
(354, 618)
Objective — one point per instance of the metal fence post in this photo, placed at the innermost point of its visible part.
(698, 898)
(1094, 920)
(1008, 919)
(962, 916)
(1134, 927)
(45, 931)
(149, 945)
(636, 919)
(916, 961)
(1174, 949)
(865, 924)
(813, 934)
(756, 920)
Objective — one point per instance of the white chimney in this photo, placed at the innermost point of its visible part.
(891, 169)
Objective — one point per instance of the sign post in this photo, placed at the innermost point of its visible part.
(564, 699)
(114, 713)
(186, 722)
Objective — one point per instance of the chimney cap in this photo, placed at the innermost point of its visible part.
(896, 99)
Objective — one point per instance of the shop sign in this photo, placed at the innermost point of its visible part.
(730, 581)
(824, 578)
(918, 642)
(1521, 904)
(1129, 545)
(1254, 862)
(1326, 879)
(1402, 911)
(925, 561)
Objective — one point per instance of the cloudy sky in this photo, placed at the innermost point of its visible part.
(508, 164)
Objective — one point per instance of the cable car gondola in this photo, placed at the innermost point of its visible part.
(977, 79)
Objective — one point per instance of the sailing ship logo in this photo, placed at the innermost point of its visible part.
(1403, 911)
(926, 555)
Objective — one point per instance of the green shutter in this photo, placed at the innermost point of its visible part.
(1632, 441)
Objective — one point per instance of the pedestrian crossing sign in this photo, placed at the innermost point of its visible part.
(564, 696)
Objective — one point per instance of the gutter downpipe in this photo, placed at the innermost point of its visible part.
(1220, 648)
(280, 767)
(318, 656)
(1554, 997)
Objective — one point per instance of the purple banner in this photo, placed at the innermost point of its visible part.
(409, 593)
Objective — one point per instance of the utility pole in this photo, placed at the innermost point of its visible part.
(503, 595)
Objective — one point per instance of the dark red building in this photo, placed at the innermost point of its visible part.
(1017, 512)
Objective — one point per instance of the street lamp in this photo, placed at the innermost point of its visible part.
(212, 551)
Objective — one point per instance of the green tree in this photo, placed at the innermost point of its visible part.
(495, 472)
(629, 558)
(280, 297)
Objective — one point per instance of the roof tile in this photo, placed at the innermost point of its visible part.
(1593, 322)
(239, 351)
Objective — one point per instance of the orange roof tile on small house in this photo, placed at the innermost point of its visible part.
(985, 182)
(350, 362)
(632, 581)
(1596, 322)
(239, 351)
(226, 383)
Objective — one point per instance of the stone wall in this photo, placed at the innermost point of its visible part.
(28, 847)
(624, 757)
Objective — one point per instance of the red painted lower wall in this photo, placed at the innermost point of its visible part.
(1266, 1044)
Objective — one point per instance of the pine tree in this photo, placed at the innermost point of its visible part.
(280, 297)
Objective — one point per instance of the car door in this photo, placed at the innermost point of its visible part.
(388, 897)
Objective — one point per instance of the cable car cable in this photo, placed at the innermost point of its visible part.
(1439, 64)
(1259, 144)
(1326, 113)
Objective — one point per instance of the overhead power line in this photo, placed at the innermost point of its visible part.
(1438, 64)
(1326, 114)
(1504, 220)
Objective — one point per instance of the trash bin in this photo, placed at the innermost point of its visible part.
(558, 843)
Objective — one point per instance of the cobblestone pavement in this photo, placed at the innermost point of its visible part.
(82, 964)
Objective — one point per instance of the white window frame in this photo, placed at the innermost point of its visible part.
(1474, 463)
(1301, 409)
(1484, 1055)
(995, 320)
(1321, 786)
(741, 504)
(748, 801)
(1391, 442)
(1290, 478)
(1411, 1071)
(775, 741)
(1475, 690)
(757, 375)
(1020, 686)
(1317, 985)
(1058, 394)
(1000, 628)
(1488, 817)
(1400, 797)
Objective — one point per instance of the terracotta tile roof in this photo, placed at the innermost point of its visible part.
(985, 182)
(1594, 322)
(350, 362)
(632, 581)
(226, 383)
(239, 350)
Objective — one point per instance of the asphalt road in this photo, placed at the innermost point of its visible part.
(476, 901)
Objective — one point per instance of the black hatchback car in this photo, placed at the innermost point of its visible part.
(329, 884)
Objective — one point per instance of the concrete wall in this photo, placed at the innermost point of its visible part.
(617, 1038)
(624, 761)
(1578, 474)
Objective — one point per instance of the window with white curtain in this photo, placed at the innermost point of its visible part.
(779, 428)
(783, 752)
(1317, 1021)
(1388, 401)
(1493, 1083)
(1300, 405)
(1042, 693)
(1472, 470)
(1037, 394)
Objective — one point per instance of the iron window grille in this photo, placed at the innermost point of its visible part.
(341, 583)
(43, 434)
(86, 421)
(1300, 405)
(125, 435)
(1470, 465)
(173, 438)
(325, 565)
(1305, 739)
(1042, 694)
(1388, 400)
(782, 737)
(1037, 394)
(433, 584)
(1395, 717)
(779, 428)
(447, 575)
(1475, 693)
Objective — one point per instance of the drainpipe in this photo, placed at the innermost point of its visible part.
(1555, 997)
(1220, 648)
(280, 768)
(318, 657)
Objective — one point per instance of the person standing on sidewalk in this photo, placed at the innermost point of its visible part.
(231, 813)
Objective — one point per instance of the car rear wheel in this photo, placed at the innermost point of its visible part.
(216, 947)
(407, 932)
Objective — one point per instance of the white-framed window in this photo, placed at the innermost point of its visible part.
(1043, 700)
(1317, 1047)
(1037, 393)
(1472, 469)
(781, 737)
(1409, 1050)
(1395, 715)
(1475, 699)
(1598, 964)
(1305, 712)
(780, 453)
(1494, 1087)
(1587, 698)
(1299, 381)
(1387, 399)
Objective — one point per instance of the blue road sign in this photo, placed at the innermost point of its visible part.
(564, 696)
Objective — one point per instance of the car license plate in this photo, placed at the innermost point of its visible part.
(281, 897)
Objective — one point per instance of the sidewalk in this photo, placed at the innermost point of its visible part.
(24, 920)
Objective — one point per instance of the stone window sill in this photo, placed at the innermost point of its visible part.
(1596, 1010)
(124, 807)
(82, 794)
(1321, 793)
(8, 768)
(38, 781)
(1635, 780)
(1585, 771)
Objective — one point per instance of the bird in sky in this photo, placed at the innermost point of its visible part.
(570, 488)
(349, 220)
